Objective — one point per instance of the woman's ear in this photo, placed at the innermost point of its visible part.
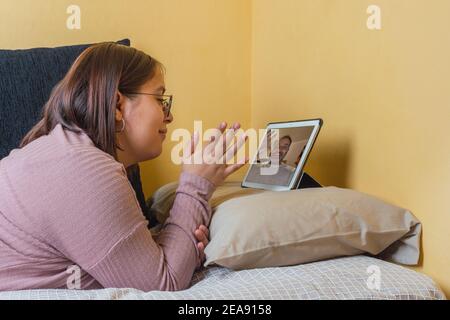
(119, 110)
(119, 115)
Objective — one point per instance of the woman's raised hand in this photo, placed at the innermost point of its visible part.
(211, 162)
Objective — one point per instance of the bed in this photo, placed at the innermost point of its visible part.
(340, 278)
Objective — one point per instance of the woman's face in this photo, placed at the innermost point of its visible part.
(145, 124)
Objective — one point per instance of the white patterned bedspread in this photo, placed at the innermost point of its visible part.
(343, 278)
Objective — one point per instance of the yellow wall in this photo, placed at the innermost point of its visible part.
(205, 46)
(384, 97)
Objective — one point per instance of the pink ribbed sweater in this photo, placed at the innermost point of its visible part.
(67, 208)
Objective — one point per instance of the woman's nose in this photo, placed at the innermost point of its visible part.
(169, 119)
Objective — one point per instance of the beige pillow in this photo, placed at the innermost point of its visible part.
(254, 228)
(162, 200)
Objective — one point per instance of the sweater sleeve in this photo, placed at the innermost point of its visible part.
(168, 263)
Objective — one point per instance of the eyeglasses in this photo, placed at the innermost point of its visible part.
(165, 100)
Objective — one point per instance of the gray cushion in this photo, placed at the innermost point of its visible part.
(26, 80)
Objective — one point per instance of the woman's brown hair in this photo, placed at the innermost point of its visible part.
(87, 95)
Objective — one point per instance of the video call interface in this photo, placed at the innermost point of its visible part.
(279, 155)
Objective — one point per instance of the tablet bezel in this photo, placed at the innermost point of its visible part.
(317, 124)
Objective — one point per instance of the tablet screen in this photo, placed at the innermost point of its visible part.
(281, 156)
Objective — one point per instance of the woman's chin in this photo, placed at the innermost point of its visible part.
(155, 153)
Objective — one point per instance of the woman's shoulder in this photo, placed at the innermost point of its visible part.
(61, 178)
(79, 149)
(62, 150)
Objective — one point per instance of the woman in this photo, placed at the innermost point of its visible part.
(66, 202)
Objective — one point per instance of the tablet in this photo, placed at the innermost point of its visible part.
(282, 154)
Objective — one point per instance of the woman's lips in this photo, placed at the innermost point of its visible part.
(163, 133)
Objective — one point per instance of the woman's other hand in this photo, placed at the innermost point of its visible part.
(202, 234)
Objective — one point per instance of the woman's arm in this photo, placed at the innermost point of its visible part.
(89, 213)
(168, 264)
(190, 210)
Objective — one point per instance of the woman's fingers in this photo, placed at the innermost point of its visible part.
(230, 139)
(214, 138)
(224, 141)
(217, 132)
(189, 147)
(236, 126)
(205, 230)
(201, 236)
(231, 152)
(219, 141)
(195, 141)
(201, 250)
(234, 167)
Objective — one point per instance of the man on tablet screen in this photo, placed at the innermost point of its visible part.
(284, 173)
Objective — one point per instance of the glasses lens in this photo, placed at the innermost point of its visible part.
(167, 105)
